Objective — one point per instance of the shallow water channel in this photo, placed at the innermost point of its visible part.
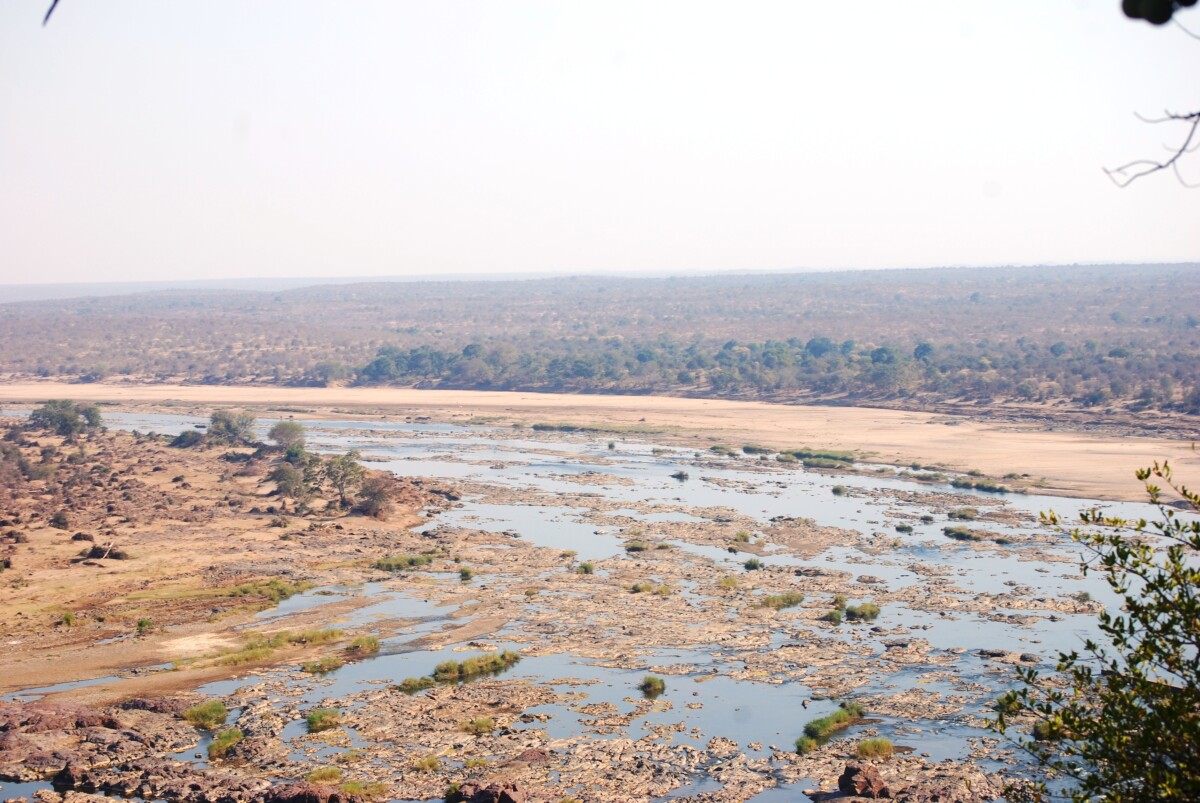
(588, 494)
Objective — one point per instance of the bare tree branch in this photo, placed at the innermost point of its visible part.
(1126, 174)
(53, 3)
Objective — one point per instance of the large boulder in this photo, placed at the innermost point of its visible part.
(862, 780)
(491, 793)
(304, 792)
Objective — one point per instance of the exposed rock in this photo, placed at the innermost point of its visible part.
(862, 780)
(304, 792)
(491, 793)
(158, 705)
(39, 717)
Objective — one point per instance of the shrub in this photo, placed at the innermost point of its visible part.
(742, 536)
(68, 619)
(753, 565)
(465, 574)
(471, 763)
(751, 448)
(220, 746)
(874, 748)
(642, 587)
(867, 612)
(834, 617)
(397, 563)
(207, 715)
(636, 546)
(806, 744)
(364, 645)
(839, 601)
(60, 521)
(371, 791)
(780, 601)
(323, 719)
(323, 665)
(963, 514)
(727, 582)
(478, 726)
(652, 686)
(429, 763)
(824, 727)
(839, 490)
(959, 533)
(926, 518)
(824, 462)
(585, 568)
(187, 439)
(414, 685)
(324, 775)
(144, 626)
(904, 528)
(680, 475)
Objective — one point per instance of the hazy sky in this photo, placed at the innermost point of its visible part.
(202, 139)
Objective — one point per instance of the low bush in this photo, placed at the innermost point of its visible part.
(426, 764)
(867, 612)
(806, 744)
(636, 546)
(324, 775)
(364, 645)
(753, 565)
(371, 791)
(834, 617)
(465, 574)
(874, 748)
(641, 588)
(959, 533)
(478, 726)
(399, 563)
(727, 582)
(322, 665)
(824, 727)
(963, 514)
(652, 686)
(207, 715)
(839, 490)
(585, 568)
(323, 719)
(220, 746)
(904, 528)
(780, 601)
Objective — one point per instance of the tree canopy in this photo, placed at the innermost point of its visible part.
(1121, 721)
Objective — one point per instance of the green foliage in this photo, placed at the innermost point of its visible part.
(207, 715)
(224, 742)
(824, 727)
(465, 574)
(144, 626)
(652, 686)
(641, 587)
(324, 775)
(585, 568)
(461, 671)
(960, 533)
(867, 612)
(230, 427)
(1119, 721)
(429, 763)
(397, 563)
(323, 719)
(839, 490)
(66, 418)
(874, 748)
(364, 645)
(780, 601)
(834, 617)
(187, 439)
(323, 665)
(753, 565)
(375, 790)
(806, 744)
(375, 497)
(344, 473)
(287, 434)
(727, 582)
(963, 514)
(480, 726)
(68, 619)
(904, 528)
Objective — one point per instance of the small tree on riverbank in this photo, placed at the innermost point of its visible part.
(1121, 722)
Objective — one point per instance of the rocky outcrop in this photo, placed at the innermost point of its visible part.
(862, 780)
(490, 793)
(304, 792)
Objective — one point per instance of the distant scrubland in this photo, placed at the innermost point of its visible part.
(1117, 337)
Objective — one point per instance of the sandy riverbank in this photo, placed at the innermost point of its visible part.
(1072, 463)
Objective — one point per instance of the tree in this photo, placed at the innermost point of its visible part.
(1159, 12)
(375, 497)
(65, 417)
(287, 434)
(1122, 721)
(289, 480)
(344, 473)
(230, 426)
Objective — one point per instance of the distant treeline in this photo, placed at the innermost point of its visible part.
(1086, 375)
(1119, 337)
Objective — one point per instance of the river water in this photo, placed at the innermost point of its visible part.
(630, 479)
